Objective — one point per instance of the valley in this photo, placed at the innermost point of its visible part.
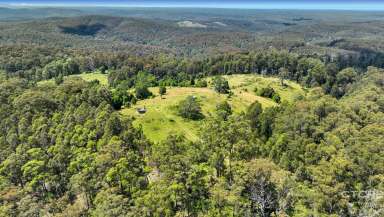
(191, 112)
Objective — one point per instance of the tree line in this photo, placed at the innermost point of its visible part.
(41, 63)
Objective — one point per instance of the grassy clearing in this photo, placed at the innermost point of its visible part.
(102, 78)
(241, 84)
(161, 118)
(46, 83)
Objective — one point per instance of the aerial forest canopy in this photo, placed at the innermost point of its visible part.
(126, 70)
(271, 127)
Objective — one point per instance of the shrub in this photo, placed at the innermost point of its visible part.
(201, 83)
(59, 79)
(266, 92)
(253, 114)
(224, 110)
(190, 108)
(276, 98)
(162, 90)
(269, 92)
(142, 92)
(221, 85)
(121, 97)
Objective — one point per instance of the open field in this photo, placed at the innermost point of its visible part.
(245, 85)
(161, 118)
(102, 78)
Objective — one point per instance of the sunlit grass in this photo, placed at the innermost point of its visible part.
(161, 118)
(102, 78)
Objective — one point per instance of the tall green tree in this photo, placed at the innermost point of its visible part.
(221, 85)
(190, 108)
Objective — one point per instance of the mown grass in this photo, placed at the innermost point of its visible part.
(161, 118)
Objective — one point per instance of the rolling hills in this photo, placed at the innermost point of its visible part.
(193, 32)
(300, 133)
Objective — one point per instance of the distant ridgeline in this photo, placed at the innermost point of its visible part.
(197, 33)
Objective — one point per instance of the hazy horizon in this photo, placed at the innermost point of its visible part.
(244, 4)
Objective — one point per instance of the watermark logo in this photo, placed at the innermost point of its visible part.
(370, 194)
(371, 203)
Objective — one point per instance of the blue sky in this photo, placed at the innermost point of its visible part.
(262, 4)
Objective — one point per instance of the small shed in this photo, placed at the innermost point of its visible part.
(141, 110)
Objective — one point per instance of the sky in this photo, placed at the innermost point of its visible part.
(257, 4)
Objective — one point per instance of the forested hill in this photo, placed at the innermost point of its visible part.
(287, 111)
(65, 151)
(196, 33)
(13, 14)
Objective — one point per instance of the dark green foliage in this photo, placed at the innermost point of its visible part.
(190, 108)
(283, 74)
(268, 92)
(253, 114)
(145, 79)
(142, 82)
(142, 92)
(60, 68)
(121, 97)
(221, 85)
(124, 76)
(69, 140)
(201, 83)
(224, 110)
(266, 121)
(343, 79)
(65, 151)
(85, 30)
(39, 62)
(59, 79)
(192, 83)
(162, 90)
(276, 98)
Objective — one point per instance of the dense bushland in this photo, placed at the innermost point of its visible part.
(40, 63)
(65, 151)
